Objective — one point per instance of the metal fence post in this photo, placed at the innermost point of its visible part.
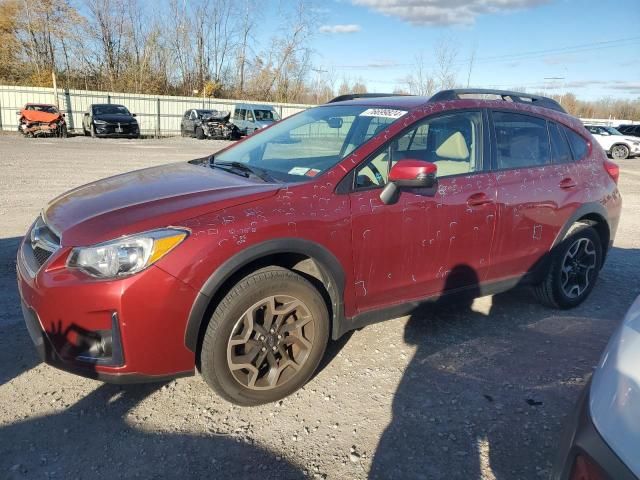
(1, 112)
(108, 98)
(70, 120)
(158, 119)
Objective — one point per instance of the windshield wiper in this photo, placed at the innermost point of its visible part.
(241, 167)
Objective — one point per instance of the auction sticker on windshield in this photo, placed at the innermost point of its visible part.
(383, 112)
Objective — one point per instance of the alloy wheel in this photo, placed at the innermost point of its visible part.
(270, 342)
(578, 267)
(619, 152)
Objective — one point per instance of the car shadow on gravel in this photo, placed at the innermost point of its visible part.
(485, 395)
(93, 439)
(12, 328)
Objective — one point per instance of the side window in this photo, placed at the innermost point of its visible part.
(240, 113)
(249, 117)
(451, 142)
(521, 140)
(578, 144)
(194, 115)
(559, 145)
(186, 114)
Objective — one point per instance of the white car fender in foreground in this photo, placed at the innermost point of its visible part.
(615, 391)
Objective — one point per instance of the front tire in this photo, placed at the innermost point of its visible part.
(619, 152)
(199, 133)
(573, 271)
(265, 338)
(92, 129)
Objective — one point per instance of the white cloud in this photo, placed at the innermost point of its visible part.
(445, 12)
(349, 28)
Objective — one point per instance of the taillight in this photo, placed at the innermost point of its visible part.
(612, 169)
(585, 469)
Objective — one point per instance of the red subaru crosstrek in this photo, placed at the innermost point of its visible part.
(245, 263)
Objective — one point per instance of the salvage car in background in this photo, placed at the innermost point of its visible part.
(40, 119)
(110, 120)
(201, 123)
(616, 144)
(602, 437)
(252, 117)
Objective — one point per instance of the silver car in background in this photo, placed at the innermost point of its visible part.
(250, 117)
(602, 438)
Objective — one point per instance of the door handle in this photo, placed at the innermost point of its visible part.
(567, 183)
(479, 199)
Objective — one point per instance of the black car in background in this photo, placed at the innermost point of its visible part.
(110, 120)
(631, 130)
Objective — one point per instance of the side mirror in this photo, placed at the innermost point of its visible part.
(334, 122)
(409, 173)
(64, 114)
(18, 113)
(133, 114)
(86, 114)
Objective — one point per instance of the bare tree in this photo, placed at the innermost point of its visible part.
(420, 81)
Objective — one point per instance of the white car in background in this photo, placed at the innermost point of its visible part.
(616, 144)
(602, 438)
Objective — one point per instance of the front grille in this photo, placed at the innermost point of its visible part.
(40, 244)
(41, 255)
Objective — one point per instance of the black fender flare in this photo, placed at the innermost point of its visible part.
(329, 267)
(541, 267)
(590, 208)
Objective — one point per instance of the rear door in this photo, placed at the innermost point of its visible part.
(538, 188)
(424, 244)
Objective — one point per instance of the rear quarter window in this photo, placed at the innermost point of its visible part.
(579, 145)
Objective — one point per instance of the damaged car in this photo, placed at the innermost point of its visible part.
(39, 119)
(201, 123)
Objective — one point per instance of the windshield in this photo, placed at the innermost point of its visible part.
(612, 130)
(311, 142)
(110, 110)
(205, 112)
(266, 115)
(43, 108)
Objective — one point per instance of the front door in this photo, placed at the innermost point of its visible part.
(424, 244)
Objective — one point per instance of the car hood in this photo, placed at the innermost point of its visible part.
(146, 199)
(615, 391)
(115, 118)
(264, 123)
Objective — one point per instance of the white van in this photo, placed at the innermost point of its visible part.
(251, 117)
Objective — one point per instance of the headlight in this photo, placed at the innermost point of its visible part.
(99, 122)
(127, 255)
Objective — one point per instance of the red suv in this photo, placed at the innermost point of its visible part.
(245, 263)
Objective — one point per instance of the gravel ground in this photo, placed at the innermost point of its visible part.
(452, 392)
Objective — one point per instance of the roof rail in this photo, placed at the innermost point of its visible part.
(519, 97)
(353, 96)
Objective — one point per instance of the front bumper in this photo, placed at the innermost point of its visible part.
(112, 130)
(580, 438)
(122, 331)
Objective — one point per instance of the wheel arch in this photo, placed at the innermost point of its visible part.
(595, 215)
(305, 257)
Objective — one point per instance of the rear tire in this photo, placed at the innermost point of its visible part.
(265, 338)
(573, 270)
(200, 133)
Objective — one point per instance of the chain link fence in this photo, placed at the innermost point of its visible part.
(157, 115)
